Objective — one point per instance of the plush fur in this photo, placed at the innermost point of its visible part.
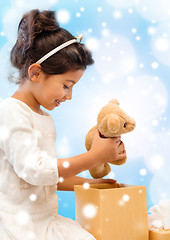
(112, 121)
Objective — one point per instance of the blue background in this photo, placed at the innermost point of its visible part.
(131, 49)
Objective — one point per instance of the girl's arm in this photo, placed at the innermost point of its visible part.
(68, 184)
(102, 150)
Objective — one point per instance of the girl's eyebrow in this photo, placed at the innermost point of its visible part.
(71, 81)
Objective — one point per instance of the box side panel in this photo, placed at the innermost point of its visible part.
(87, 210)
(124, 214)
(159, 235)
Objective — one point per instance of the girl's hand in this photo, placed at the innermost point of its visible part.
(101, 180)
(107, 149)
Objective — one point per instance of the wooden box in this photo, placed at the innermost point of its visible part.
(112, 211)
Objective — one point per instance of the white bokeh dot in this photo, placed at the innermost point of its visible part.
(92, 44)
(143, 171)
(156, 162)
(111, 175)
(138, 38)
(66, 164)
(154, 65)
(31, 236)
(86, 185)
(90, 30)
(126, 198)
(33, 197)
(4, 132)
(78, 14)
(63, 16)
(89, 210)
(117, 14)
(22, 217)
(141, 65)
(161, 44)
(134, 30)
(130, 10)
(99, 9)
(61, 179)
(151, 30)
(121, 203)
(104, 24)
(155, 123)
(105, 32)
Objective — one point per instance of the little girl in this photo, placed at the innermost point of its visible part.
(50, 62)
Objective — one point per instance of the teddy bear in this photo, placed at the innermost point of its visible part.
(112, 121)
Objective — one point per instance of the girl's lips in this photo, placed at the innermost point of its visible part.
(57, 103)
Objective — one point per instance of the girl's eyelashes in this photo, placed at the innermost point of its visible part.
(66, 87)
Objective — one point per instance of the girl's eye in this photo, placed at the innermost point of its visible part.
(66, 87)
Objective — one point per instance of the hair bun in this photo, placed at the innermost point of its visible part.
(34, 23)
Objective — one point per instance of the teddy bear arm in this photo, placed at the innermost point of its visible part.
(89, 138)
(100, 170)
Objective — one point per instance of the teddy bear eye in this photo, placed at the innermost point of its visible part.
(124, 124)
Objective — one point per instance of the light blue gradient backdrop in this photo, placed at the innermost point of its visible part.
(141, 83)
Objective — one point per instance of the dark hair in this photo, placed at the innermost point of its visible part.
(38, 34)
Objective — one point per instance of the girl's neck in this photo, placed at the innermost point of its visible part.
(27, 97)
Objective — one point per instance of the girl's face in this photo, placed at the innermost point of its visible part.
(49, 91)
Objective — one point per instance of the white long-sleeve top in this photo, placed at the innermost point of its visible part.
(28, 158)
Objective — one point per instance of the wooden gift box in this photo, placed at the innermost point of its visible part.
(116, 211)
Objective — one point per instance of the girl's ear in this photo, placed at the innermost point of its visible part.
(34, 71)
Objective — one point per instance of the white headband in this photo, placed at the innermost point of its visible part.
(77, 39)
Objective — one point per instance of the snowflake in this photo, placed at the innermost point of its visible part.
(86, 185)
(125, 198)
(89, 211)
(33, 197)
(155, 65)
(63, 16)
(143, 171)
(117, 14)
(161, 44)
(66, 164)
(22, 217)
(92, 44)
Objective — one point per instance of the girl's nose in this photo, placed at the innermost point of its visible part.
(69, 95)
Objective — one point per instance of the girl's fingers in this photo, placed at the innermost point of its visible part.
(101, 180)
(121, 147)
(110, 180)
(122, 155)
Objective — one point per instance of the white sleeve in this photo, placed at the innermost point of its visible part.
(20, 145)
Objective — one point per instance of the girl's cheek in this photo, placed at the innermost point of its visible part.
(61, 93)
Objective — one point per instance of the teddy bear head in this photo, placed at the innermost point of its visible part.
(112, 121)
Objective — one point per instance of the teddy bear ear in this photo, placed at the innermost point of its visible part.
(109, 125)
(115, 101)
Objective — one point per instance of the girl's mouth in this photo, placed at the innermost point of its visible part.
(57, 103)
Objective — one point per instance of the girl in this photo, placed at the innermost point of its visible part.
(50, 62)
